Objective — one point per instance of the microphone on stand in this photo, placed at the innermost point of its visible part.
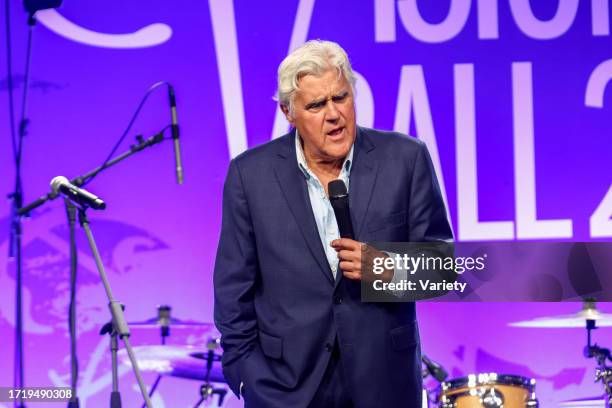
(435, 369)
(175, 136)
(339, 199)
(79, 196)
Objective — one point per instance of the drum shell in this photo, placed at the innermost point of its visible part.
(488, 390)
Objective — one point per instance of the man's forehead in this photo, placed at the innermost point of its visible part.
(318, 86)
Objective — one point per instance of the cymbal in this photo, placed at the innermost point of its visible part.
(206, 356)
(173, 322)
(577, 320)
(164, 319)
(591, 402)
(175, 361)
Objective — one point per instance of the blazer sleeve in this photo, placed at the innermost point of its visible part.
(427, 215)
(235, 274)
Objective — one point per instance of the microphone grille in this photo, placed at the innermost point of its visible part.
(337, 189)
(57, 182)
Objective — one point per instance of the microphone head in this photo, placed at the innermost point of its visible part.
(337, 189)
(57, 182)
(171, 95)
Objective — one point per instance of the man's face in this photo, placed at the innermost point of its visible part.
(324, 115)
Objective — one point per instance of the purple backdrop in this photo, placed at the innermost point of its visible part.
(524, 83)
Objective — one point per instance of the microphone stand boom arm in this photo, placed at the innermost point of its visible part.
(82, 180)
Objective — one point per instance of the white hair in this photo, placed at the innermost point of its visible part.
(312, 58)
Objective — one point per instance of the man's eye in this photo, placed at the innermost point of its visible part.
(315, 106)
(340, 98)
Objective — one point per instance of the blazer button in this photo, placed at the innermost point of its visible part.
(328, 347)
(337, 300)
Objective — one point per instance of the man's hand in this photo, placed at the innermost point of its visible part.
(350, 254)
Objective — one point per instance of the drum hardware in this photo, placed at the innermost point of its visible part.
(165, 321)
(592, 319)
(184, 362)
(492, 398)
(175, 361)
(181, 361)
(207, 391)
(605, 377)
(603, 372)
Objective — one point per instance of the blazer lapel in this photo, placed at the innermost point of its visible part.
(293, 185)
(361, 186)
(364, 171)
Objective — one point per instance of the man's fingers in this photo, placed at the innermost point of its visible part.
(345, 243)
(353, 266)
(345, 255)
(352, 275)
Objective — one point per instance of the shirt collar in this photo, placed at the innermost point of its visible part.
(301, 159)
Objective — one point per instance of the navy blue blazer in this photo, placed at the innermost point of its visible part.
(277, 305)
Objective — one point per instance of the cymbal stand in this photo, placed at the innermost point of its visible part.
(163, 319)
(603, 373)
(207, 390)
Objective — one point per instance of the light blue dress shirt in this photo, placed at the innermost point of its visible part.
(321, 206)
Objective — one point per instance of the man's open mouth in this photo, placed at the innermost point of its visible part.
(335, 132)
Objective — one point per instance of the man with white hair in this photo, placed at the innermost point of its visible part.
(287, 289)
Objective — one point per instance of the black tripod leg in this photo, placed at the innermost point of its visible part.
(152, 390)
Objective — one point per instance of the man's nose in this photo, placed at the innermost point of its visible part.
(332, 113)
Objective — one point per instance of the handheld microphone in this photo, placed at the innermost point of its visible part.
(175, 136)
(435, 369)
(79, 196)
(339, 199)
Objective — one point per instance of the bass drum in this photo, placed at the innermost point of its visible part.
(488, 390)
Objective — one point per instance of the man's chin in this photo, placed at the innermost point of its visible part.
(339, 153)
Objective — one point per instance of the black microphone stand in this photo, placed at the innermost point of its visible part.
(115, 397)
(74, 365)
(16, 244)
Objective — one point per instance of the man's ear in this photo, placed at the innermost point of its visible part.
(288, 116)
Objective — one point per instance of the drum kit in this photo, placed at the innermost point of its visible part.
(492, 390)
(484, 390)
(183, 361)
